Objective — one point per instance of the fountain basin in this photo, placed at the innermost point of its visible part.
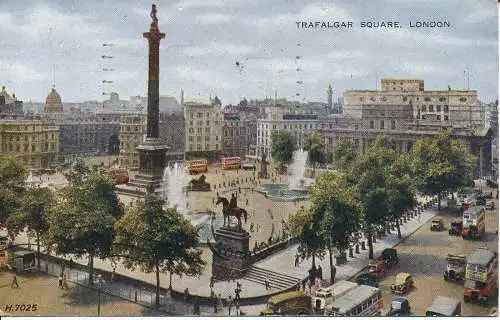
(283, 192)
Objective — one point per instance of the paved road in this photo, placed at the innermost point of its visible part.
(422, 255)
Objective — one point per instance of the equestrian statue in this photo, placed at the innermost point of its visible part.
(230, 208)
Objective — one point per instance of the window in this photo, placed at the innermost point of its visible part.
(463, 99)
(190, 139)
(384, 99)
(285, 126)
(381, 124)
(274, 126)
(208, 114)
(217, 147)
(372, 98)
(207, 130)
(439, 117)
(207, 138)
(198, 138)
(393, 124)
(216, 138)
(372, 124)
(445, 108)
(208, 122)
(427, 99)
(442, 99)
(405, 98)
(199, 115)
(438, 108)
(361, 99)
(424, 108)
(190, 123)
(191, 130)
(198, 146)
(445, 117)
(207, 146)
(431, 108)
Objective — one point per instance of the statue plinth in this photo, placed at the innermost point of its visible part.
(231, 254)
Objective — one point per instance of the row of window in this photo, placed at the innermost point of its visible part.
(200, 123)
(30, 138)
(235, 132)
(427, 99)
(430, 108)
(201, 114)
(198, 147)
(432, 117)
(382, 124)
(26, 147)
(198, 138)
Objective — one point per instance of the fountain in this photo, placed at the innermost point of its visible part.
(298, 186)
(174, 176)
(173, 192)
(298, 170)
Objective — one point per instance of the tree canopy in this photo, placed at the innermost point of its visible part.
(12, 185)
(283, 144)
(345, 154)
(152, 238)
(82, 221)
(315, 145)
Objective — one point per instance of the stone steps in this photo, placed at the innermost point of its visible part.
(276, 280)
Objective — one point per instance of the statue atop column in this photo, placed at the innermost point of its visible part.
(154, 24)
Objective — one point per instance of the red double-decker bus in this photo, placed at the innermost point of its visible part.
(231, 163)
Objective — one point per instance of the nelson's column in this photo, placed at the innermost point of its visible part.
(152, 150)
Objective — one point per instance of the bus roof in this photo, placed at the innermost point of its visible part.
(352, 298)
(338, 287)
(443, 305)
(286, 296)
(482, 256)
(474, 210)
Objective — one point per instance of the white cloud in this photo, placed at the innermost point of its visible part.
(217, 49)
(214, 18)
(210, 78)
(17, 72)
(416, 68)
(195, 4)
(346, 54)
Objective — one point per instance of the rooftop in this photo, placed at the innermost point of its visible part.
(481, 256)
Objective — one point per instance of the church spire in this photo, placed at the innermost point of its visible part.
(330, 96)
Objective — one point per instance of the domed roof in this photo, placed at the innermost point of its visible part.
(53, 102)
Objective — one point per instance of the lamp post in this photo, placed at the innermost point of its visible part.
(99, 297)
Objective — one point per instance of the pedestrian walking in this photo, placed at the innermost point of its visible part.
(266, 282)
(60, 281)
(238, 312)
(14, 282)
(229, 304)
(71, 263)
(296, 260)
(113, 274)
(246, 202)
(320, 272)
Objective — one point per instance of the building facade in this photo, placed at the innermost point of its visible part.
(204, 121)
(402, 110)
(33, 142)
(132, 128)
(235, 136)
(9, 105)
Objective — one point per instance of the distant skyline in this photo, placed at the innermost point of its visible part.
(242, 48)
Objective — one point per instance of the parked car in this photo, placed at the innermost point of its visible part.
(367, 279)
(402, 283)
(455, 228)
(288, 303)
(437, 224)
(399, 307)
(377, 268)
(390, 256)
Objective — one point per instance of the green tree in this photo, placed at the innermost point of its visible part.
(371, 171)
(78, 171)
(12, 185)
(315, 146)
(283, 144)
(305, 224)
(32, 215)
(345, 154)
(401, 189)
(82, 221)
(335, 201)
(152, 238)
(441, 163)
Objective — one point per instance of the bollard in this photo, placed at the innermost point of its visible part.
(363, 247)
(351, 254)
(357, 248)
(135, 299)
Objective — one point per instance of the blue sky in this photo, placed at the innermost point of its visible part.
(205, 39)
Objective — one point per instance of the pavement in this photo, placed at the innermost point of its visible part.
(281, 262)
